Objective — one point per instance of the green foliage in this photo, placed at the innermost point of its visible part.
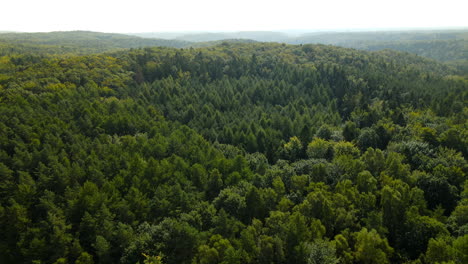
(321, 251)
(293, 149)
(368, 138)
(439, 250)
(350, 131)
(345, 148)
(152, 259)
(77, 42)
(319, 149)
(236, 153)
(437, 44)
(371, 248)
(84, 258)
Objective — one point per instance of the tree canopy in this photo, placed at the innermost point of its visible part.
(234, 153)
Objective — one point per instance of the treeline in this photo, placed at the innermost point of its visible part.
(441, 50)
(441, 45)
(76, 42)
(238, 153)
(444, 46)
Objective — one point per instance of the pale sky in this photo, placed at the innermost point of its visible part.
(236, 15)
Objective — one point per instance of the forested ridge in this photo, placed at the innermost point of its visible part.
(235, 153)
(77, 42)
(445, 45)
(442, 45)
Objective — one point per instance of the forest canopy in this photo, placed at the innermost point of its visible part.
(232, 153)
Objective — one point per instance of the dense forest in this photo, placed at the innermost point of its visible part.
(77, 42)
(449, 46)
(446, 45)
(232, 153)
(441, 45)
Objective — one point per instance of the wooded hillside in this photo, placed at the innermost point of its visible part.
(235, 153)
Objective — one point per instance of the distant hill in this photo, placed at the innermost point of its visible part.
(444, 46)
(441, 45)
(262, 36)
(220, 42)
(83, 42)
(449, 46)
(345, 37)
(86, 42)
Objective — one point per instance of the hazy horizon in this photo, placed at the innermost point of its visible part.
(144, 16)
(287, 31)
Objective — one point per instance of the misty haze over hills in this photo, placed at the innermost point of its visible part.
(443, 45)
(448, 45)
(265, 36)
(291, 36)
(413, 41)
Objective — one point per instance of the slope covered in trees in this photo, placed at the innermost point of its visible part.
(450, 46)
(445, 45)
(76, 42)
(236, 94)
(237, 153)
(86, 42)
(441, 45)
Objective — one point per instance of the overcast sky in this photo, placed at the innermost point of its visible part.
(218, 15)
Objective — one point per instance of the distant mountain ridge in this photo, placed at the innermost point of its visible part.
(331, 37)
(263, 36)
(442, 45)
(87, 41)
